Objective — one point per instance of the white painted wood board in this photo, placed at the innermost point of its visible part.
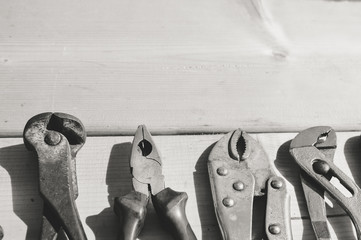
(181, 66)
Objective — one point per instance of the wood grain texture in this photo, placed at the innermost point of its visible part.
(103, 173)
(181, 66)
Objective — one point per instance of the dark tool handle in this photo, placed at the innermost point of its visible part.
(132, 208)
(170, 206)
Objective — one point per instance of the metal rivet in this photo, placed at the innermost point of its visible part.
(222, 171)
(228, 202)
(52, 138)
(274, 229)
(321, 167)
(277, 184)
(239, 186)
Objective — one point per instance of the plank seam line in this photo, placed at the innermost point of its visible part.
(172, 133)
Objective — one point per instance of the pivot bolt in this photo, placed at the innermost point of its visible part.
(222, 171)
(52, 138)
(275, 229)
(277, 184)
(228, 202)
(321, 167)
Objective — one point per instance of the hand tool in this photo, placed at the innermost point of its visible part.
(313, 150)
(148, 181)
(56, 138)
(239, 170)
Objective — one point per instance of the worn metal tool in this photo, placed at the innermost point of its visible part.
(313, 150)
(239, 170)
(148, 181)
(56, 138)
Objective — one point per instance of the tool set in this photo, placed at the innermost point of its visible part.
(239, 172)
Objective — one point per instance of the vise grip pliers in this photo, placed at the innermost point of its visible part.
(56, 138)
(313, 150)
(148, 181)
(239, 170)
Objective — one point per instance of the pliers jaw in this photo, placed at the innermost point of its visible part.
(321, 137)
(146, 164)
(56, 138)
(39, 126)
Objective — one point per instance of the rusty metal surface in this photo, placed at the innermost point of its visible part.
(56, 138)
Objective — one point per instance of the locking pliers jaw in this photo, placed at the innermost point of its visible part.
(56, 138)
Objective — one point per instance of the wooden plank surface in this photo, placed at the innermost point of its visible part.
(181, 66)
(103, 173)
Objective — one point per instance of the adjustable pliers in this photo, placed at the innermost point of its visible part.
(313, 150)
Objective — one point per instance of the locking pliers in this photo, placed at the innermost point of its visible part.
(313, 150)
(239, 170)
(56, 138)
(148, 181)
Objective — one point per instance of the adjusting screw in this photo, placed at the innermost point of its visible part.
(52, 138)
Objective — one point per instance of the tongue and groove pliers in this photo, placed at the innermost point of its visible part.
(313, 150)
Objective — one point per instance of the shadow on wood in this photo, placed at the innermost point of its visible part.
(209, 224)
(105, 225)
(22, 167)
(352, 151)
